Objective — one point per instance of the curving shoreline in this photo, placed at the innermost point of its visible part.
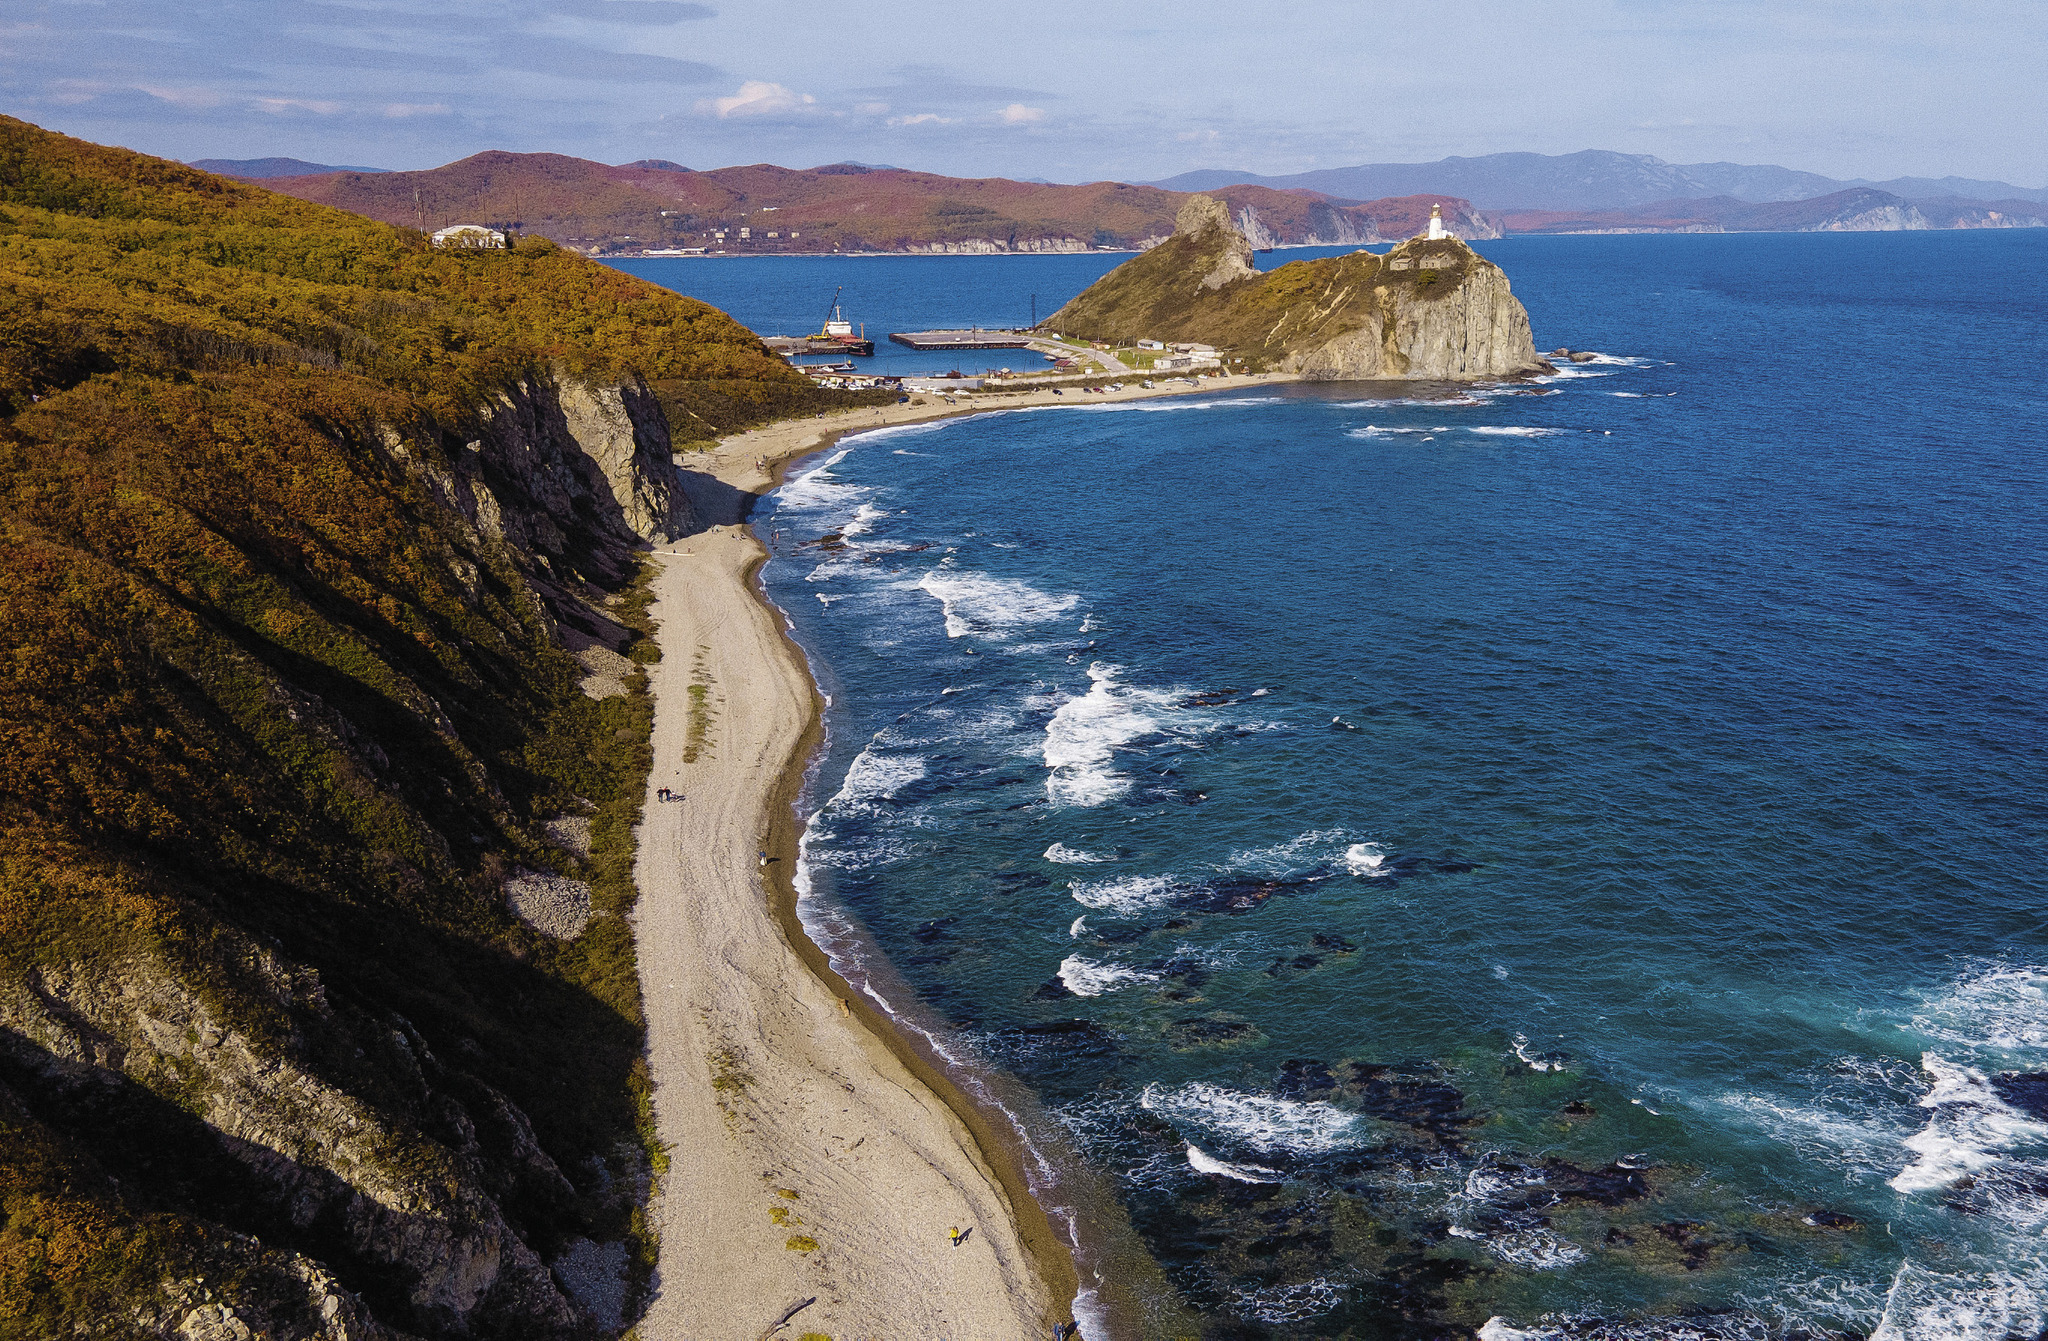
(771, 1074)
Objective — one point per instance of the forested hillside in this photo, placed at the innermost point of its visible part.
(318, 590)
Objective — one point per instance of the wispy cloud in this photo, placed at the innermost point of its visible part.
(757, 97)
(569, 60)
(1017, 114)
(286, 106)
(637, 12)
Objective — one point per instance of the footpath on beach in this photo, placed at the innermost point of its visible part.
(816, 1162)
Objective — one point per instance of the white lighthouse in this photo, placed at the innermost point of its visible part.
(1436, 223)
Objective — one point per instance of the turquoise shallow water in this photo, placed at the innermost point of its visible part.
(1652, 945)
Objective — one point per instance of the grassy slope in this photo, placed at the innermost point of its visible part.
(574, 200)
(1263, 317)
(260, 690)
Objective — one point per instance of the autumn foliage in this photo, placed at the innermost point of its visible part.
(262, 695)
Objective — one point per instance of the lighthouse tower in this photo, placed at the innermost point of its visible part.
(1436, 223)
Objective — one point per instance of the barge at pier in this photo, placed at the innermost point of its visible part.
(970, 339)
(834, 337)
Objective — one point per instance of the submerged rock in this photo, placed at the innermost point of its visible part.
(1211, 1031)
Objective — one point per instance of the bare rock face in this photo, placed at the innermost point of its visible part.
(403, 1190)
(1427, 309)
(1464, 325)
(1203, 216)
(622, 431)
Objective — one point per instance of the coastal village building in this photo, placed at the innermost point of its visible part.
(469, 235)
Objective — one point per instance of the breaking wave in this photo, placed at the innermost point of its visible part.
(1085, 733)
(1090, 977)
(1263, 1122)
(1127, 895)
(980, 603)
(1202, 1162)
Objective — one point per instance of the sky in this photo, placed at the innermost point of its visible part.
(1060, 90)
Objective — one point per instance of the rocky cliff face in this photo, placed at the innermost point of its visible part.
(1425, 310)
(334, 1171)
(326, 736)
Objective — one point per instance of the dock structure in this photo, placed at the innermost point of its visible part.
(973, 339)
(790, 345)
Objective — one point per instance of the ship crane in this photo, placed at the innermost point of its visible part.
(836, 326)
(838, 331)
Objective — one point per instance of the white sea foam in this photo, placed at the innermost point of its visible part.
(1127, 895)
(1070, 856)
(864, 517)
(1536, 1249)
(981, 603)
(1090, 977)
(1862, 1144)
(1263, 1122)
(1510, 431)
(1089, 624)
(1926, 1305)
(1972, 1128)
(819, 488)
(874, 778)
(1476, 396)
(1498, 1328)
(2003, 1007)
(1085, 733)
(1202, 1162)
(1297, 1301)
(1366, 859)
(1303, 851)
(1163, 406)
(1535, 1063)
(1080, 925)
(1376, 431)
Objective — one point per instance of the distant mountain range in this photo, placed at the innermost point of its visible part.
(1594, 179)
(658, 205)
(257, 169)
(1860, 209)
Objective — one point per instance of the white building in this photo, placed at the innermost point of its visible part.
(1437, 231)
(469, 235)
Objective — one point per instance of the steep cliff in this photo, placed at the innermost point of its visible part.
(310, 540)
(1426, 309)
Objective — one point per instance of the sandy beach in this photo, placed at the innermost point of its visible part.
(815, 1154)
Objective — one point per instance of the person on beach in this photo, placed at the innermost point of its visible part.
(958, 1235)
(661, 794)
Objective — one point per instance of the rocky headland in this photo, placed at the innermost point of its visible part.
(1427, 309)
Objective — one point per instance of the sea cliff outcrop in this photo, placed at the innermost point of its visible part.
(1427, 309)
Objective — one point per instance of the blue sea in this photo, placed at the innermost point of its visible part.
(1435, 859)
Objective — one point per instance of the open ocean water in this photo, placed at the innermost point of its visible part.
(1566, 864)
